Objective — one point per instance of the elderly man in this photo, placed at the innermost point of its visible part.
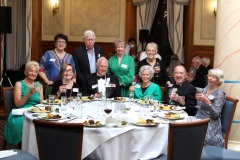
(100, 82)
(184, 94)
(201, 71)
(85, 56)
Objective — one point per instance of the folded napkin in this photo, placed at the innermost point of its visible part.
(19, 111)
(7, 153)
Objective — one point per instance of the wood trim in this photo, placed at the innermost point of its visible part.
(204, 51)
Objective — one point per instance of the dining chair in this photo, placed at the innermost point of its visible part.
(8, 100)
(213, 152)
(185, 140)
(21, 155)
(227, 114)
(59, 140)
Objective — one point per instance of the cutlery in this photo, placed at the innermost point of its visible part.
(70, 120)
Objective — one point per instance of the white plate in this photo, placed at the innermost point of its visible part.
(43, 117)
(56, 101)
(39, 110)
(172, 118)
(146, 125)
(123, 99)
(93, 125)
(178, 108)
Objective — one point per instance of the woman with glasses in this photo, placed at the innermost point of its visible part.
(66, 86)
(52, 61)
(160, 72)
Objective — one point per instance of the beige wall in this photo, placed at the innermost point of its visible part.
(105, 17)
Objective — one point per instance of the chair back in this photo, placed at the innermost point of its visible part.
(163, 93)
(186, 139)
(59, 140)
(8, 100)
(227, 114)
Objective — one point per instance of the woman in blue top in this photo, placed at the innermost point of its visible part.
(146, 87)
(52, 61)
(27, 93)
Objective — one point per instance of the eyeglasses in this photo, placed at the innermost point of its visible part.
(61, 42)
(68, 71)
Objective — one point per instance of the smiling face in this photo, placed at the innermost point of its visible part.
(151, 52)
(60, 44)
(31, 73)
(179, 74)
(102, 66)
(120, 48)
(146, 76)
(213, 80)
(68, 72)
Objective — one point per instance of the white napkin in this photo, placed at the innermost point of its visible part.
(7, 153)
(19, 111)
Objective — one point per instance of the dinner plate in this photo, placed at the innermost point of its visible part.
(172, 118)
(93, 125)
(39, 110)
(146, 125)
(44, 117)
(121, 99)
(177, 108)
(85, 99)
(56, 101)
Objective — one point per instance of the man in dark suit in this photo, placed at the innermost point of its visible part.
(185, 94)
(85, 56)
(201, 71)
(100, 82)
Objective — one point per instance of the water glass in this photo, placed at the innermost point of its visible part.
(79, 97)
(63, 103)
(51, 99)
(131, 96)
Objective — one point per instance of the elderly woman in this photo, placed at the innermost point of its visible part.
(122, 65)
(27, 93)
(51, 62)
(66, 86)
(161, 76)
(146, 87)
(210, 103)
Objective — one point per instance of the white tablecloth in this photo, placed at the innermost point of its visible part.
(130, 142)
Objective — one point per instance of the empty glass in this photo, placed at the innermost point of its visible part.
(63, 103)
(51, 99)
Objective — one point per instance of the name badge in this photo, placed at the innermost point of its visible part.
(137, 86)
(52, 60)
(124, 66)
(211, 97)
(75, 89)
(94, 86)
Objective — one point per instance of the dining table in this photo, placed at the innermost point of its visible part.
(111, 139)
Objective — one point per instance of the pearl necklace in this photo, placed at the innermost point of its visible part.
(211, 91)
(28, 83)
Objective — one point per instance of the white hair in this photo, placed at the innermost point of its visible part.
(87, 32)
(219, 73)
(206, 60)
(146, 67)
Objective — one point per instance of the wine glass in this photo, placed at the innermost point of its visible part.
(157, 68)
(108, 109)
(51, 99)
(79, 97)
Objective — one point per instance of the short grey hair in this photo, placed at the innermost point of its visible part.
(198, 59)
(32, 64)
(217, 72)
(119, 41)
(87, 32)
(206, 60)
(101, 59)
(146, 67)
(154, 45)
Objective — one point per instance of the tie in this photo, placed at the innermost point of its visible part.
(99, 77)
(177, 86)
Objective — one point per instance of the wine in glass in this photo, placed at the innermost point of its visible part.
(157, 68)
(108, 109)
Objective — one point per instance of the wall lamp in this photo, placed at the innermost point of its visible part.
(55, 4)
(215, 8)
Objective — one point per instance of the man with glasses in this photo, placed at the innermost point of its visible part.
(184, 92)
(201, 71)
(86, 56)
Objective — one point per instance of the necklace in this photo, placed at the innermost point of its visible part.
(210, 91)
(60, 55)
(28, 83)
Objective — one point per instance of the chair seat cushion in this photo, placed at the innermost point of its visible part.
(212, 152)
(21, 155)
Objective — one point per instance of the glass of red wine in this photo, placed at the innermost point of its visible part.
(108, 108)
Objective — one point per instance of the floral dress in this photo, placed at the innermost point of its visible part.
(214, 131)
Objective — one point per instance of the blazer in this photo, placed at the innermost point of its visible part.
(80, 57)
(189, 91)
(90, 86)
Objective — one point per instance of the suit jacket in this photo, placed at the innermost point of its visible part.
(91, 82)
(189, 91)
(199, 80)
(82, 66)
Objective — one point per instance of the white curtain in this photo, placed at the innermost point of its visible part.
(175, 26)
(28, 30)
(146, 10)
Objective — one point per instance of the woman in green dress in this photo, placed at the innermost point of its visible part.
(146, 87)
(122, 65)
(27, 93)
